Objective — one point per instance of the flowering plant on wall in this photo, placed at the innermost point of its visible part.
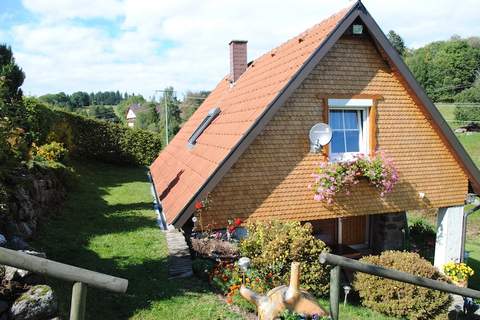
(334, 177)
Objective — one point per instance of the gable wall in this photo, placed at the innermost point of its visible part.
(270, 179)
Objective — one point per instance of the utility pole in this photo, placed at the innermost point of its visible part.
(166, 111)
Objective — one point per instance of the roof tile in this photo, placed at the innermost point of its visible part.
(179, 172)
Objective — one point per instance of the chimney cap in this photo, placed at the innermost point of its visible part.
(238, 41)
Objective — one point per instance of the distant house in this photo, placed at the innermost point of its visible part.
(132, 113)
(135, 109)
(247, 145)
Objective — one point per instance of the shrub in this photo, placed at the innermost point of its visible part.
(467, 113)
(202, 268)
(400, 299)
(422, 238)
(90, 138)
(53, 151)
(273, 246)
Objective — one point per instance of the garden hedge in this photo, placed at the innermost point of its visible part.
(90, 138)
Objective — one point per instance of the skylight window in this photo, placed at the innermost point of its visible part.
(212, 114)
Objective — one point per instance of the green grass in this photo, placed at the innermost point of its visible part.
(355, 312)
(471, 142)
(108, 225)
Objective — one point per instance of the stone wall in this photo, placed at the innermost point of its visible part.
(388, 231)
(31, 198)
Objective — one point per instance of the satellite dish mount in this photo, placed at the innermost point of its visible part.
(320, 135)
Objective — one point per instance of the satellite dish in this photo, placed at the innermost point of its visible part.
(320, 135)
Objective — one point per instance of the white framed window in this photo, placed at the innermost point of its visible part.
(348, 119)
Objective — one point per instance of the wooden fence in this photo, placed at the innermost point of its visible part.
(339, 262)
(82, 278)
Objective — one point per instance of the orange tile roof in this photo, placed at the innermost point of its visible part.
(181, 175)
(178, 172)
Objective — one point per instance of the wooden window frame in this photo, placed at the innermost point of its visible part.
(372, 116)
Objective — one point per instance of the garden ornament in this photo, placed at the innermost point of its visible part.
(270, 306)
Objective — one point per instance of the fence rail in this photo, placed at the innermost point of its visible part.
(82, 278)
(341, 262)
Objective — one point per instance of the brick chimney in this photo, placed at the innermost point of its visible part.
(238, 59)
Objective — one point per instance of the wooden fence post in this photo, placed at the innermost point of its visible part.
(79, 301)
(334, 292)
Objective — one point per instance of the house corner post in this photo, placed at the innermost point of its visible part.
(449, 241)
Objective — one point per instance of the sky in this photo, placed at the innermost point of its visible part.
(140, 46)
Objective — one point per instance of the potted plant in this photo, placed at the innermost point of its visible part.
(458, 273)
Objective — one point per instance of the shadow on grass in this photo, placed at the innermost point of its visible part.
(120, 239)
(474, 281)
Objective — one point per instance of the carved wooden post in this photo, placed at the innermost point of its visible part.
(334, 292)
(79, 301)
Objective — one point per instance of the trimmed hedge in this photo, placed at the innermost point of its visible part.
(400, 299)
(90, 138)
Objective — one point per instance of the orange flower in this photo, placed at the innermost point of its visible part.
(229, 300)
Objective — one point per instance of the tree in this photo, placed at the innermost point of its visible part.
(191, 102)
(445, 68)
(12, 110)
(174, 114)
(79, 99)
(397, 42)
(148, 118)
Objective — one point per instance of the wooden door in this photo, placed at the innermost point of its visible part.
(354, 230)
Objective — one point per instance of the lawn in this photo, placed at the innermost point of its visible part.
(108, 225)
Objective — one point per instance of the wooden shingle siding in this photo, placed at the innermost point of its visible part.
(270, 179)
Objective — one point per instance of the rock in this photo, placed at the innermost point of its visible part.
(3, 306)
(3, 240)
(24, 230)
(17, 243)
(10, 273)
(38, 303)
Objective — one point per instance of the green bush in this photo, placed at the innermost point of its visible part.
(90, 138)
(422, 239)
(273, 246)
(53, 151)
(467, 113)
(400, 299)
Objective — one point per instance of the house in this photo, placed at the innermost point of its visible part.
(135, 109)
(247, 146)
(132, 113)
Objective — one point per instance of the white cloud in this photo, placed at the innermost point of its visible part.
(55, 10)
(184, 43)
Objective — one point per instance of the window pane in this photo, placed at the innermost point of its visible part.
(336, 121)
(352, 137)
(351, 119)
(338, 142)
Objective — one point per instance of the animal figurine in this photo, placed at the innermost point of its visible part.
(271, 306)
